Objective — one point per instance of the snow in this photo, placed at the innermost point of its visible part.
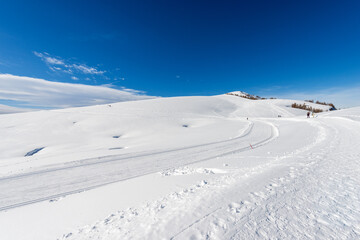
(219, 167)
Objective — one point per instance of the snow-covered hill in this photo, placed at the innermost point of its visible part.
(220, 167)
(73, 134)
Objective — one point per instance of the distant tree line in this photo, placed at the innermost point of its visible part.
(305, 107)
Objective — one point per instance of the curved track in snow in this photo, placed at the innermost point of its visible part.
(83, 175)
(240, 203)
(310, 192)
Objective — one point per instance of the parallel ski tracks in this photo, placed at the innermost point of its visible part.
(118, 157)
(159, 162)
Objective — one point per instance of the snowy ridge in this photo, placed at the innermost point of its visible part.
(219, 167)
(239, 94)
(244, 95)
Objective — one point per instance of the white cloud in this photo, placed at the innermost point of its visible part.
(7, 109)
(74, 78)
(86, 69)
(42, 93)
(54, 64)
(109, 85)
(49, 60)
(56, 69)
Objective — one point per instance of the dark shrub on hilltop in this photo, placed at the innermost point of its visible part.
(305, 107)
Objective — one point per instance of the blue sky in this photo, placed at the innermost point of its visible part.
(182, 48)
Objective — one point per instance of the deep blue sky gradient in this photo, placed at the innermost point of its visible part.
(177, 48)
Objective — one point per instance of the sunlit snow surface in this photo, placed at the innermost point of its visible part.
(220, 167)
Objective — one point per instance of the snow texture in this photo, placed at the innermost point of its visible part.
(134, 171)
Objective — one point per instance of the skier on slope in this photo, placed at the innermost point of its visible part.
(308, 114)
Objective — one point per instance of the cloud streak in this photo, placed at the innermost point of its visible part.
(34, 92)
(87, 70)
(58, 64)
(49, 60)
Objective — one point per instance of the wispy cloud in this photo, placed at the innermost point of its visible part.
(58, 64)
(7, 109)
(34, 92)
(49, 60)
(86, 69)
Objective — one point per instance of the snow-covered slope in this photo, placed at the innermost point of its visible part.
(72, 134)
(270, 107)
(351, 113)
(220, 167)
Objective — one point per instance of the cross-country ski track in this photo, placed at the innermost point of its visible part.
(50, 182)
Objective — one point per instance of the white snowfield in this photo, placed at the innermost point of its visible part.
(220, 167)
